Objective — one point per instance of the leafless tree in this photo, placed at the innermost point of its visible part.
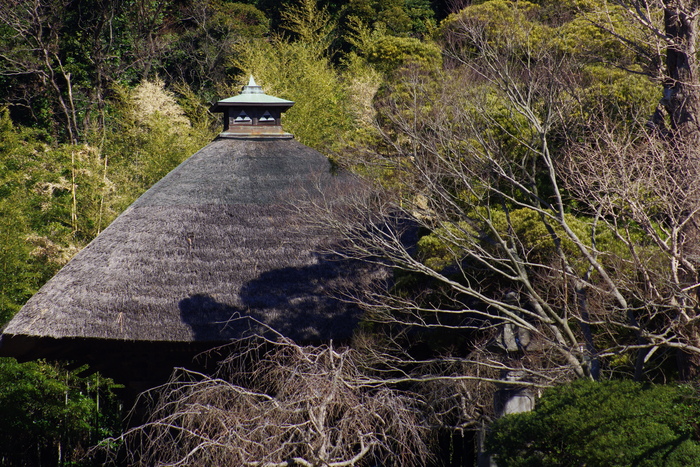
(280, 404)
(648, 197)
(656, 173)
(39, 56)
(551, 267)
(35, 26)
(670, 52)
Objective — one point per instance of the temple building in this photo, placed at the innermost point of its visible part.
(219, 247)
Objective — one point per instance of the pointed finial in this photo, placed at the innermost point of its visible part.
(252, 87)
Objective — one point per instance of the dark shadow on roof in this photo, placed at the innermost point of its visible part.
(302, 303)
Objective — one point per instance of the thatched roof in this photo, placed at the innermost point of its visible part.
(218, 238)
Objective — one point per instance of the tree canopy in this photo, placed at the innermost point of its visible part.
(534, 173)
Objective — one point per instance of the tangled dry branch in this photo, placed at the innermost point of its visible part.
(275, 405)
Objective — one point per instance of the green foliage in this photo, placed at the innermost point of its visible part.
(59, 59)
(50, 205)
(60, 188)
(201, 54)
(557, 12)
(534, 236)
(394, 17)
(422, 17)
(50, 416)
(613, 423)
(16, 278)
(388, 53)
(402, 18)
(505, 23)
(150, 135)
(296, 71)
(309, 24)
(583, 39)
(205, 125)
(241, 19)
(618, 95)
(17, 281)
(572, 36)
(361, 83)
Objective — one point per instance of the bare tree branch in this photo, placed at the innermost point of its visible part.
(292, 406)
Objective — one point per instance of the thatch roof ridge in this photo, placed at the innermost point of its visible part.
(213, 240)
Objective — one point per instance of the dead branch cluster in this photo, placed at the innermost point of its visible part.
(279, 404)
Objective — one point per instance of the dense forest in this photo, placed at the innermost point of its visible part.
(544, 152)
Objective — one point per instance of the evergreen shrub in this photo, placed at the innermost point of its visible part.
(612, 423)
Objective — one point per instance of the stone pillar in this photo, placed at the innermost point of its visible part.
(513, 398)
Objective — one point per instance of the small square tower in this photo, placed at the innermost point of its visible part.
(253, 114)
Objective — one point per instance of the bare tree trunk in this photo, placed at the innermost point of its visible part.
(677, 119)
(681, 88)
(682, 102)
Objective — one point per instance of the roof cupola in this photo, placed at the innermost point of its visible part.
(253, 114)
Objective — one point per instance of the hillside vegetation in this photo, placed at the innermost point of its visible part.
(545, 151)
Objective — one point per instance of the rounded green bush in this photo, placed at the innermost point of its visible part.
(613, 423)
